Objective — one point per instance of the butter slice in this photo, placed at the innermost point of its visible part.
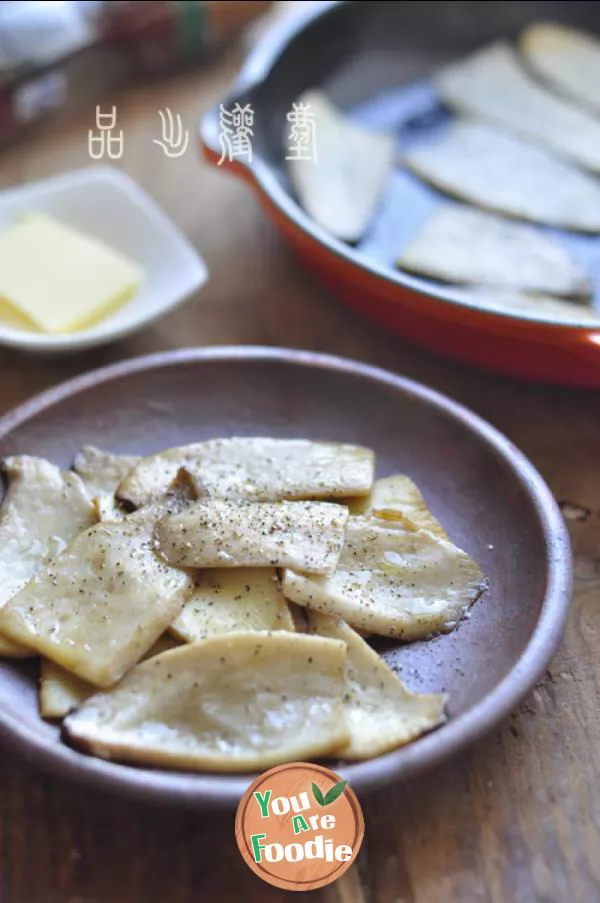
(58, 279)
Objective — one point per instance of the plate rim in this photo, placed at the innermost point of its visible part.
(224, 791)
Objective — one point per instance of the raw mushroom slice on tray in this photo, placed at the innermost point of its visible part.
(462, 245)
(493, 85)
(567, 59)
(341, 182)
(482, 165)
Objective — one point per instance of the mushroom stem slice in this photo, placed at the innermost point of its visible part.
(305, 535)
(341, 184)
(107, 508)
(399, 493)
(567, 59)
(255, 469)
(101, 604)
(233, 600)
(102, 471)
(228, 703)
(482, 165)
(44, 509)
(493, 85)
(381, 712)
(461, 245)
(61, 691)
(394, 580)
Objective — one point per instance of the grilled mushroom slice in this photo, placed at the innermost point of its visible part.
(381, 712)
(392, 579)
(101, 604)
(228, 703)
(255, 469)
(44, 509)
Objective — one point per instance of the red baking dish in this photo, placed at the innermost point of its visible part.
(359, 51)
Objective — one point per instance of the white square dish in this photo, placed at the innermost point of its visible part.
(105, 203)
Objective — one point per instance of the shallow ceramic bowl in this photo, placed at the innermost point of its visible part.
(488, 496)
(105, 203)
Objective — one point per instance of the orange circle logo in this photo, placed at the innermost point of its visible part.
(299, 826)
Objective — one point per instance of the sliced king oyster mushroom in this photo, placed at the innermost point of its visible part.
(493, 85)
(567, 59)
(61, 691)
(529, 306)
(107, 508)
(299, 618)
(480, 164)
(219, 534)
(232, 601)
(393, 580)
(381, 712)
(44, 509)
(228, 703)
(341, 183)
(461, 245)
(100, 605)
(102, 471)
(255, 469)
(399, 493)
(180, 492)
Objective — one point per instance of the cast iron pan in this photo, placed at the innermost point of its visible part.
(487, 495)
(373, 60)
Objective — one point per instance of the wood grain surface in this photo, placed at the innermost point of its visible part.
(514, 820)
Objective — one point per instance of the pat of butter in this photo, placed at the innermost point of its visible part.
(59, 280)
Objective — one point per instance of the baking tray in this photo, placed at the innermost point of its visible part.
(373, 59)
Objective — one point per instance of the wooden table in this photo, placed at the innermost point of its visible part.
(513, 820)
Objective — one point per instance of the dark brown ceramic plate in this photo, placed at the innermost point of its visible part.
(490, 499)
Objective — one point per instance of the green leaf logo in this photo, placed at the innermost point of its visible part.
(331, 795)
(318, 795)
